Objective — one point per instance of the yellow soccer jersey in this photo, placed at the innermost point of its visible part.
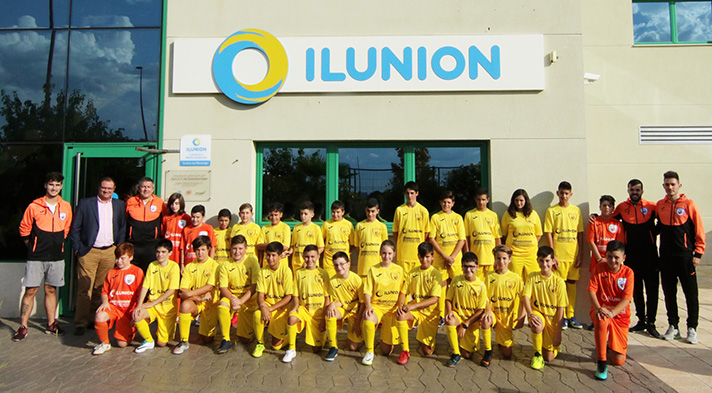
(466, 296)
(384, 285)
(368, 237)
(422, 284)
(447, 230)
(237, 277)
(311, 286)
(222, 248)
(504, 291)
(159, 280)
(521, 233)
(337, 235)
(482, 229)
(196, 275)
(564, 224)
(301, 237)
(412, 225)
(275, 284)
(252, 233)
(277, 233)
(546, 294)
(348, 292)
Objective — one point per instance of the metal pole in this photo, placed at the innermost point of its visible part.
(140, 97)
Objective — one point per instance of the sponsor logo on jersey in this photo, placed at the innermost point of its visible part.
(182, 223)
(680, 211)
(621, 282)
(153, 208)
(612, 228)
(644, 210)
(129, 279)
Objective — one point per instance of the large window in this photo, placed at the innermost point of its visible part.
(672, 22)
(291, 173)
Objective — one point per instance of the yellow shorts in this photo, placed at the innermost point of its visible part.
(524, 266)
(503, 330)
(389, 328)
(548, 334)
(278, 322)
(483, 270)
(165, 324)
(309, 323)
(208, 312)
(567, 271)
(350, 319)
(407, 266)
(471, 341)
(245, 324)
(427, 326)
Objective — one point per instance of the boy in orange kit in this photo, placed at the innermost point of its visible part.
(192, 232)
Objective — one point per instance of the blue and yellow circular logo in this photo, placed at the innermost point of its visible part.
(277, 63)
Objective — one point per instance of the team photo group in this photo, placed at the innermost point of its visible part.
(477, 277)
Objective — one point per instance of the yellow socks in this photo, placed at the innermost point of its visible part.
(292, 334)
(441, 302)
(571, 294)
(452, 338)
(184, 321)
(224, 321)
(403, 332)
(369, 334)
(537, 342)
(143, 330)
(487, 338)
(331, 331)
(259, 327)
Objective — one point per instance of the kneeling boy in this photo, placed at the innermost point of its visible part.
(161, 283)
(611, 291)
(464, 306)
(345, 292)
(119, 297)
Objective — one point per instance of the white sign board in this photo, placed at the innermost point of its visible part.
(193, 185)
(195, 150)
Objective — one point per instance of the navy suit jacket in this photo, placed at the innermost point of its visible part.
(85, 227)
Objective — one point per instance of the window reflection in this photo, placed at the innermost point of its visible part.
(694, 23)
(651, 22)
(369, 173)
(457, 169)
(116, 13)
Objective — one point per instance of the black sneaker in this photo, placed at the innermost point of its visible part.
(54, 329)
(454, 359)
(486, 359)
(225, 346)
(639, 327)
(650, 328)
(332, 354)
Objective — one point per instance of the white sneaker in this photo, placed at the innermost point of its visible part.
(692, 336)
(368, 359)
(671, 333)
(101, 348)
(289, 356)
(181, 347)
(145, 346)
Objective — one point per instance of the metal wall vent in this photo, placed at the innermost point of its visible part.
(684, 135)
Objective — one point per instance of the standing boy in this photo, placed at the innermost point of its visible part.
(161, 283)
(411, 227)
(611, 291)
(423, 286)
(564, 233)
(367, 238)
(223, 234)
(276, 231)
(275, 286)
(304, 234)
(544, 301)
(248, 229)
(43, 228)
(118, 300)
(190, 233)
(483, 232)
(345, 292)
(603, 230)
(337, 234)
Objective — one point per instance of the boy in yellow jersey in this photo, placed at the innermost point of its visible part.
(305, 234)
(423, 287)
(199, 295)
(504, 309)
(308, 301)
(464, 307)
(345, 292)
(237, 280)
(564, 233)
(447, 235)
(367, 238)
(483, 232)
(276, 231)
(248, 229)
(544, 303)
(160, 284)
(223, 236)
(337, 235)
(411, 226)
(381, 290)
(275, 286)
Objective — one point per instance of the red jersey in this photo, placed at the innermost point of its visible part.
(601, 232)
(173, 226)
(123, 287)
(190, 233)
(612, 288)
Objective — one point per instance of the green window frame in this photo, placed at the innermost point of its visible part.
(332, 165)
(674, 25)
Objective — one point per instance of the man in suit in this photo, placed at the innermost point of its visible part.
(99, 225)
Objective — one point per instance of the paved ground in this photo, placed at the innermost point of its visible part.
(45, 363)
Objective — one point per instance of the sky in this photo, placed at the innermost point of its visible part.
(652, 21)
